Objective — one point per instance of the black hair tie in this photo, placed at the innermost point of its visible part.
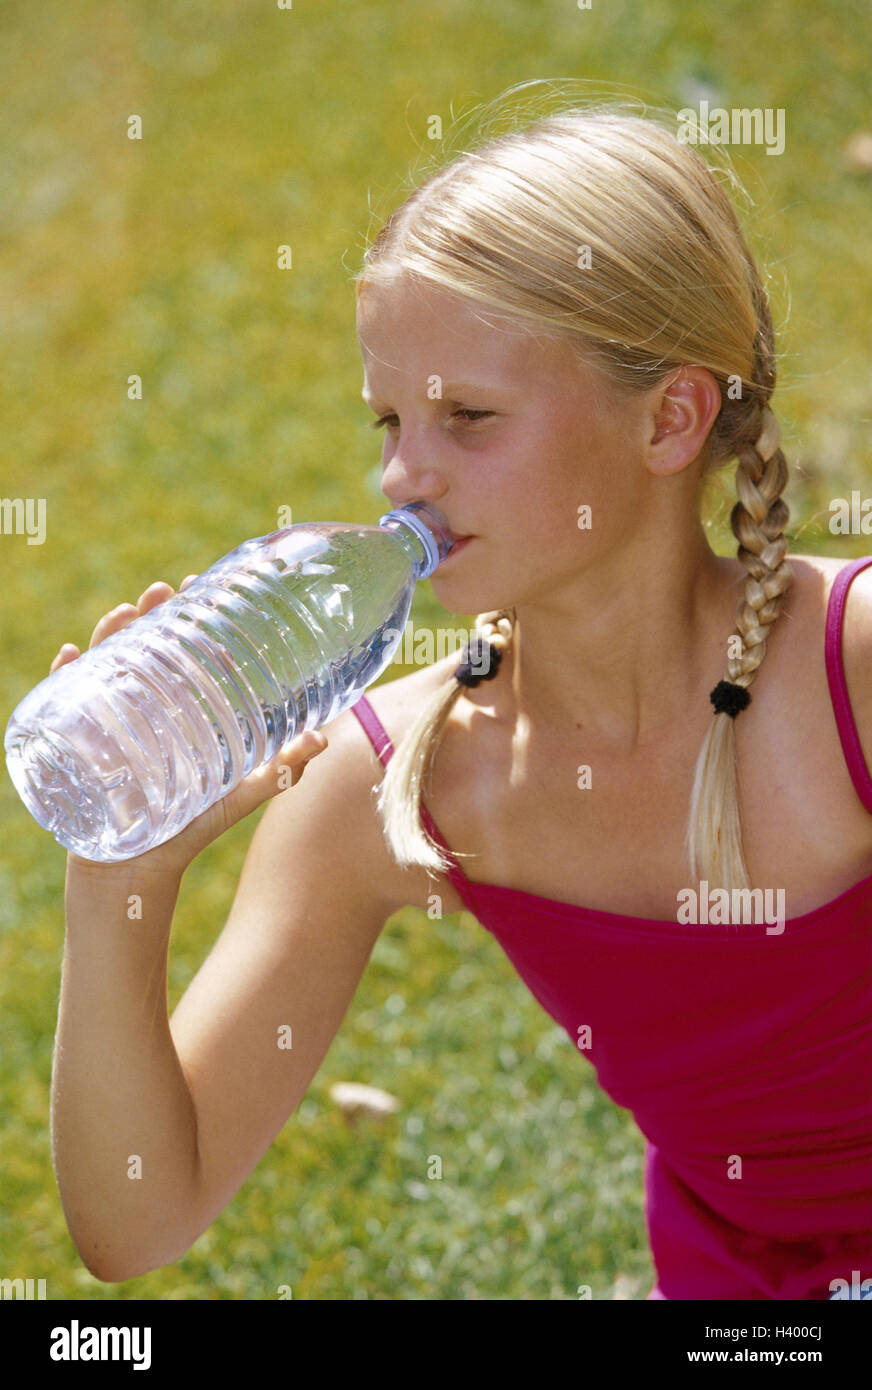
(729, 698)
(481, 661)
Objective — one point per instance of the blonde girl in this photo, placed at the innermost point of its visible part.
(563, 334)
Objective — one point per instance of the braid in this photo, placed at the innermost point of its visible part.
(758, 519)
(400, 792)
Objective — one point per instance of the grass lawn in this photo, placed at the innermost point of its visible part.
(157, 258)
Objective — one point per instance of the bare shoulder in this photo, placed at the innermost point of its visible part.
(807, 599)
(821, 570)
(397, 704)
(856, 646)
(814, 577)
(335, 799)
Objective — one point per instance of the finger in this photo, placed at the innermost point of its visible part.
(113, 622)
(68, 652)
(291, 762)
(189, 579)
(156, 593)
(304, 746)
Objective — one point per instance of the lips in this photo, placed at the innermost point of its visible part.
(459, 543)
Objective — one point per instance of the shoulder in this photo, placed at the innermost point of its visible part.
(399, 702)
(815, 576)
(857, 655)
(333, 809)
(808, 598)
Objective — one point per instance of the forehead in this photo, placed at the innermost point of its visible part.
(409, 327)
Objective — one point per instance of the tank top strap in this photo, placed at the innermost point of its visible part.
(384, 749)
(845, 724)
(374, 730)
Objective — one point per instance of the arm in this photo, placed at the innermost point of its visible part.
(201, 1097)
(315, 891)
(156, 1122)
(118, 1090)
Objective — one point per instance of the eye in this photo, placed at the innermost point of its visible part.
(479, 414)
(471, 417)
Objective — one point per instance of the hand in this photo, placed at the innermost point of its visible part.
(285, 769)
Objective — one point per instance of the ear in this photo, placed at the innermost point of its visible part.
(681, 414)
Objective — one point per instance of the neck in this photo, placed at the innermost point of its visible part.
(623, 658)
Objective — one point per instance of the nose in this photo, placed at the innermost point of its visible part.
(410, 476)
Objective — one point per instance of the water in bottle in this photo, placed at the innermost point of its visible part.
(117, 751)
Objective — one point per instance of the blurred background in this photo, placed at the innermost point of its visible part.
(157, 257)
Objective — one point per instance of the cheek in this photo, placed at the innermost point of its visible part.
(556, 488)
(534, 485)
(587, 466)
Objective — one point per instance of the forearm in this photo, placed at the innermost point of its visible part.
(124, 1132)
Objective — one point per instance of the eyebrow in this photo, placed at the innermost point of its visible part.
(450, 386)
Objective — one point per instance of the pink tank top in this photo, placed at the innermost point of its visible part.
(745, 1057)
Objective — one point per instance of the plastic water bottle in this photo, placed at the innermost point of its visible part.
(119, 750)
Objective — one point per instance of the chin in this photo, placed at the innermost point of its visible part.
(466, 586)
(466, 596)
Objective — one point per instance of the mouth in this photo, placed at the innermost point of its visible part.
(460, 544)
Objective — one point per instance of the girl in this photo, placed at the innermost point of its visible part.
(563, 334)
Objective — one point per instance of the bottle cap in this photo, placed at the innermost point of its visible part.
(431, 528)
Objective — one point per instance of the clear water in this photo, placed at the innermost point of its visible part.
(119, 750)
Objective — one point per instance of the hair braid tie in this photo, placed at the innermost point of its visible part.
(729, 698)
(482, 655)
(481, 661)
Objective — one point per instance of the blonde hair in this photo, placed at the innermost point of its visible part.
(670, 282)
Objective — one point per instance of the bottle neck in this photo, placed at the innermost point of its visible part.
(425, 533)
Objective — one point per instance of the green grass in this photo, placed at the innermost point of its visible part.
(159, 258)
